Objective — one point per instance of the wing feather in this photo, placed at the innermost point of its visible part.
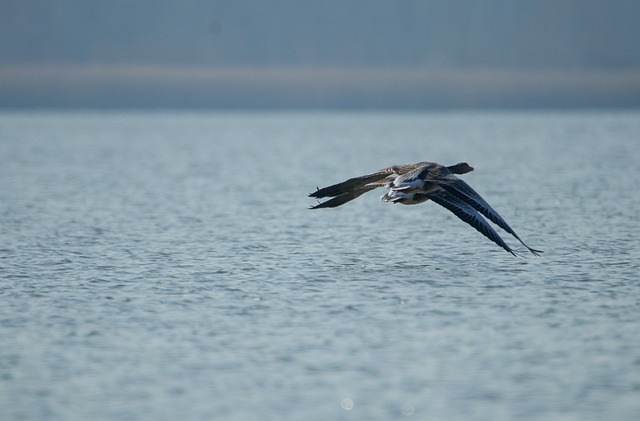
(350, 185)
(466, 193)
(357, 183)
(468, 214)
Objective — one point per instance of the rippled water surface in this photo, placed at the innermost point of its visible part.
(165, 265)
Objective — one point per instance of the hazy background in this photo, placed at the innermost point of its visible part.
(319, 54)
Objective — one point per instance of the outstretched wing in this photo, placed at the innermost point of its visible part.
(358, 183)
(458, 188)
(470, 215)
(340, 199)
(351, 185)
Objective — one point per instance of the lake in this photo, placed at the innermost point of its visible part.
(165, 265)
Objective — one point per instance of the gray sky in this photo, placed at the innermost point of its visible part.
(298, 53)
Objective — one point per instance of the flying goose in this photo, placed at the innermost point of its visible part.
(412, 184)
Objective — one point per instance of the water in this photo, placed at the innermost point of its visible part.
(164, 265)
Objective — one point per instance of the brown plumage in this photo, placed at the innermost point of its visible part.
(412, 184)
(354, 187)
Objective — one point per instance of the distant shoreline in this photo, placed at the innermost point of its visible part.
(169, 86)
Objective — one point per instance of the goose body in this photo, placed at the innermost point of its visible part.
(412, 184)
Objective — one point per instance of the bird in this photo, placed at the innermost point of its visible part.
(412, 184)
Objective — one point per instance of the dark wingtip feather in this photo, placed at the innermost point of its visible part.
(535, 252)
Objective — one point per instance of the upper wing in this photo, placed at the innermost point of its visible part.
(340, 199)
(352, 184)
(357, 183)
(468, 214)
(349, 195)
